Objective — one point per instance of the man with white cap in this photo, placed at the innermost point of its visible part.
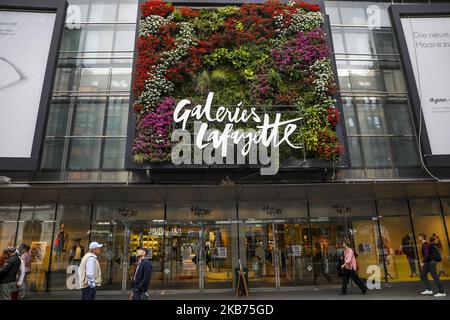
(89, 272)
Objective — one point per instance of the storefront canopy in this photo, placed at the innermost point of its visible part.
(37, 193)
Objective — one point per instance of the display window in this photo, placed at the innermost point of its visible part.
(433, 227)
(8, 225)
(70, 243)
(399, 249)
(35, 231)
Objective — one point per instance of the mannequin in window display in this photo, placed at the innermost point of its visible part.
(320, 260)
(260, 255)
(76, 253)
(388, 254)
(410, 253)
(434, 240)
(59, 245)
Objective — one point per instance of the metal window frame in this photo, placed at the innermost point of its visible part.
(32, 163)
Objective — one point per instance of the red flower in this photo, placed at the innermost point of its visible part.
(157, 8)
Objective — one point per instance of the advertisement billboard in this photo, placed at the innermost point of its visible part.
(423, 36)
(29, 37)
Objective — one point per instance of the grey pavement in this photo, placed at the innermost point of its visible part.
(394, 291)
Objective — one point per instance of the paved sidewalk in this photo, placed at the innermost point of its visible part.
(398, 291)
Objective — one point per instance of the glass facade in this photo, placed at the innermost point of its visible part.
(195, 244)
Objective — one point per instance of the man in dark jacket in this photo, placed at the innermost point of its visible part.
(8, 274)
(429, 266)
(142, 275)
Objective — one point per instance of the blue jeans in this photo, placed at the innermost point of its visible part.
(88, 293)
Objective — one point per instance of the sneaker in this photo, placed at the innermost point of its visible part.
(440, 294)
(426, 292)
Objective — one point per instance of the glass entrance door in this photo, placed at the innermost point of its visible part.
(149, 237)
(293, 248)
(112, 259)
(326, 245)
(183, 256)
(218, 255)
(260, 254)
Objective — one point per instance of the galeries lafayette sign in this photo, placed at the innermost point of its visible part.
(234, 85)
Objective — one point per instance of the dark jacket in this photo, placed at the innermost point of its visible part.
(142, 275)
(426, 252)
(10, 269)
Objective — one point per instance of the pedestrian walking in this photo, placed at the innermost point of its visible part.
(349, 268)
(26, 258)
(89, 272)
(8, 274)
(431, 257)
(142, 276)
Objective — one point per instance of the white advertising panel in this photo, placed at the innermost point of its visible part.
(428, 42)
(25, 39)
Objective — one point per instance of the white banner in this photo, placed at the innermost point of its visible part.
(428, 41)
(25, 39)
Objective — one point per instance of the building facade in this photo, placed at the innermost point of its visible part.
(286, 230)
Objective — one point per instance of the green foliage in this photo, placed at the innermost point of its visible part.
(313, 119)
(211, 20)
(177, 15)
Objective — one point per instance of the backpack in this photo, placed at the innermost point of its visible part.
(435, 255)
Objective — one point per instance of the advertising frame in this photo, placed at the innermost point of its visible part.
(32, 163)
(396, 13)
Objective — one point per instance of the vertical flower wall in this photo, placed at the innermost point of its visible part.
(273, 56)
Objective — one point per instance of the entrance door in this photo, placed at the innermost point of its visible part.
(183, 256)
(150, 237)
(218, 255)
(260, 253)
(293, 248)
(326, 248)
(112, 259)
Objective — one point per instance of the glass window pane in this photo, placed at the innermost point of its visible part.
(117, 116)
(35, 230)
(425, 206)
(433, 227)
(114, 153)
(125, 39)
(94, 79)
(58, 117)
(103, 12)
(357, 42)
(384, 42)
(353, 14)
(392, 207)
(350, 117)
(339, 208)
(53, 154)
(399, 114)
(71, 40)
(121, 79)
(71, 243)
(355, 151)
(405, 151)
(99, 38)
(128, 11)
(372, 118)
(8, 224)
(66, 78)
(377, 152)
(85, 153)
(399, 249)
(272, 209)
(89, 117)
